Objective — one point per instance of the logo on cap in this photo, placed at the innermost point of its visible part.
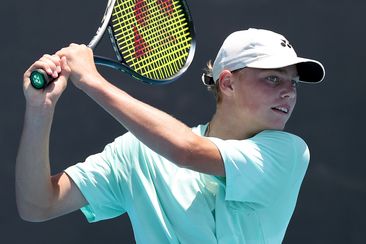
(285, 43)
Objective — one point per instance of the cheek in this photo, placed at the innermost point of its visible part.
(253, 102)
(254, 97)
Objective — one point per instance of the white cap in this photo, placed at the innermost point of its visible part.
(257, 48)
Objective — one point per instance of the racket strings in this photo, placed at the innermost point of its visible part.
(153, 36)
(159, 41)
(168, 57)
(156, 25)
(169, 64)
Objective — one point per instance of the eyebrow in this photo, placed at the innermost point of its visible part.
(284, 71)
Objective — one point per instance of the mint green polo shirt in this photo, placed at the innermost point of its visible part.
(169, 204)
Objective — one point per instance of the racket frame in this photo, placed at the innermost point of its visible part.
(121, 64)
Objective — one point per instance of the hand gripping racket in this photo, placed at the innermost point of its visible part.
(152, 39)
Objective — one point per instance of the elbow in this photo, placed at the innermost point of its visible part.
(31, 217)
(28, 217)
(30, 213)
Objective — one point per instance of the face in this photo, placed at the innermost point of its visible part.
(264, 98)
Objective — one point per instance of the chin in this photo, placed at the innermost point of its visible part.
(279, 124)
(277, 127)
(276, 124)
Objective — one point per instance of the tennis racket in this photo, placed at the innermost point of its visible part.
(153, 40)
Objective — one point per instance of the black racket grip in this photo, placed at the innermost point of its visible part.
(40, 79)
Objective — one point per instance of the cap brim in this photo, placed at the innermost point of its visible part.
(309, 70)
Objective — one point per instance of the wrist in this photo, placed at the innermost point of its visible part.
(91, 82)
(38, 113)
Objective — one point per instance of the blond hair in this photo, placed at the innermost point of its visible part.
(211, 85)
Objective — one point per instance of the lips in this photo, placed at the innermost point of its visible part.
(282, 108)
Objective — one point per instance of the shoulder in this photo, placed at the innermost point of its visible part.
(270, 144)
(268, 139)
(267, 164)
(283, 143)
(279, 137)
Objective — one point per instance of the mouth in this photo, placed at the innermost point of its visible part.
(282, 109)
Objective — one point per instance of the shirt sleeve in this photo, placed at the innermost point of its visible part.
(260, 169)
(101, 179)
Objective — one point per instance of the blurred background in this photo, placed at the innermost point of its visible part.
(330, 116)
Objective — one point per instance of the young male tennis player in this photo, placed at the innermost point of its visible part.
(232, 180)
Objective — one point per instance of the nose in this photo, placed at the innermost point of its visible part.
(288, 90)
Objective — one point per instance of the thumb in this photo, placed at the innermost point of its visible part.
(65, 68)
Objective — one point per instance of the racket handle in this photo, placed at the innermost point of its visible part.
(40, 79)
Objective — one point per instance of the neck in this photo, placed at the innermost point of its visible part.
(226, 126)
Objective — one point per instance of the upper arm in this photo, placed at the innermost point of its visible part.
(66, 198)
(202, 155)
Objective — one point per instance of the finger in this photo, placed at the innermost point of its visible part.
(41, 63)
(65, 50)
(55, 58)
(46, 62)
(62, 52)
(52, 63)
(61, 81)
(57, 61)
(72, 48)
(65, 69)
(47, 66)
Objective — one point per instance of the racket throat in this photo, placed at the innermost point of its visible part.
(114, 45)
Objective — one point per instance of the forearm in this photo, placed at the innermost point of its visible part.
(32, 171)
(158, 130)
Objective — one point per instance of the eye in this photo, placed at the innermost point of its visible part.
(273, 79)
(294, 82)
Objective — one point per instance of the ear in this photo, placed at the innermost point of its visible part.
(225, 82)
